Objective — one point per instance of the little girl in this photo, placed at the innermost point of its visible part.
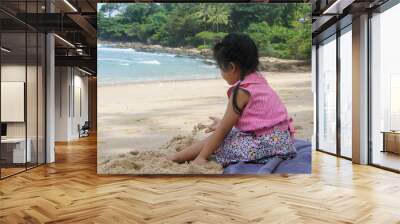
(256, 126)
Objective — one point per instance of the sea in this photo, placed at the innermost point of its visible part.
(126, 65)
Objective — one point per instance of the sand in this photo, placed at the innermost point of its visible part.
(154, 162)
(144, 117)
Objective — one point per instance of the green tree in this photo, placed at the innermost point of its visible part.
(203, 14)
(137, 12)
(260, 33)
(151, 26)
(279, 30)
(209, 37)
(219, 15)
(182, 26)
(109, 8)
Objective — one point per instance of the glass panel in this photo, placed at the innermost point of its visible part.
(385, 86)
(22, 88)
(31, 100)
(41, 99)
(32, 89)
(327, 95)
(346, 92)
(13, 87)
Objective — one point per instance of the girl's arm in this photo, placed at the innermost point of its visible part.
(214, 125)
(228, 121)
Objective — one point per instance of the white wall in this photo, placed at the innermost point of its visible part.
(70, 83)
(14, 73)
(33, 126)
(80, 115)
(62, 81)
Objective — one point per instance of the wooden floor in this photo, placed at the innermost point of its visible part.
(10, 171)
(70, 191)
(387, 159)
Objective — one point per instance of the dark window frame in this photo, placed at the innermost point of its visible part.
(381, 9)
(324, 36)
(29, 29)
(341, 27)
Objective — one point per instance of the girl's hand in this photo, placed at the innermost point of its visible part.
(214, 125)
(224, 126)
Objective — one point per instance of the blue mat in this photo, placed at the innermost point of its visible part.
(300, 164)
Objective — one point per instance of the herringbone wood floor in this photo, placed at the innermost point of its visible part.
(70, 191)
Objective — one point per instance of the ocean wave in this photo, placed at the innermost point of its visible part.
(208, 66)
(152, 62)
(102, 81)
(164, 54)
(116, 49)
(156, 53)
(114, 60)
(209, 60)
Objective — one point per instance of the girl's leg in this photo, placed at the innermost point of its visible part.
(189, 153)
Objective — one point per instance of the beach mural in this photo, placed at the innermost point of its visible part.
(163, 100)
(121, 65)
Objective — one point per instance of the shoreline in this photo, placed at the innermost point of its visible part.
(182, 80)
(153, 48)
(269, 64)
(156, 81)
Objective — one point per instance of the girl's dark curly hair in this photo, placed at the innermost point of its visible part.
(241, 50)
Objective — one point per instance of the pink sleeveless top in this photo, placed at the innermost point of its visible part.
(265, 110)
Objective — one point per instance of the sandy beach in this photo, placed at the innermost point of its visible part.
(141, 117)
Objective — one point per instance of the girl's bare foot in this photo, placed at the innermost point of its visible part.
(199, 161)
(171, 157)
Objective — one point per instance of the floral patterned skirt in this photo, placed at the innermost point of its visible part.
(247, 147)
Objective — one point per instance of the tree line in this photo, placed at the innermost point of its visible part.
(279, 30)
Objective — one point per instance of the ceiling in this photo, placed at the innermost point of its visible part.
(329, 13)
(75, 21)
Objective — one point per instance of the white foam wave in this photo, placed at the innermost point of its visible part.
(152, 62)
(156, 54)
(116, 49)
(114, 60)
